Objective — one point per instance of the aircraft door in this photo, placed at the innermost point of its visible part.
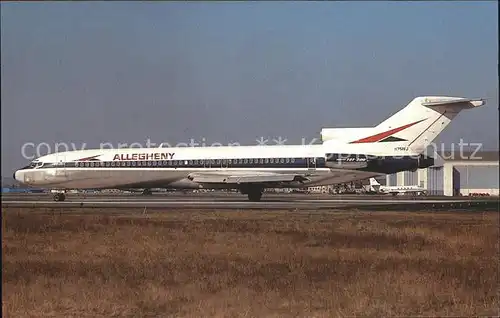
(311, 163)
(59, 166)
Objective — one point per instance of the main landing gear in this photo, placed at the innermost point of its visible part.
(254, 196)
(147, 192)
(59, 196)
(254, 193)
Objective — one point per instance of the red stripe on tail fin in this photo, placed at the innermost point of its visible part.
(382, 135)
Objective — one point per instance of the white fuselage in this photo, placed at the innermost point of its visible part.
(170, 167)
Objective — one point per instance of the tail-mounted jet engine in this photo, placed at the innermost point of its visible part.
(382, 164)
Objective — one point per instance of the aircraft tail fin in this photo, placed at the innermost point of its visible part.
(411, 129)
(374, 185)
(374, 182)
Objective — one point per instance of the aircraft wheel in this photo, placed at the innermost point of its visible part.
(254, 195)
(147, 192)
(59, 197)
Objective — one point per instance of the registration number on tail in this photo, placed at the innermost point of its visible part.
(401, 149)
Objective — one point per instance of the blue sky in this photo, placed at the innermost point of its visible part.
(171, 71)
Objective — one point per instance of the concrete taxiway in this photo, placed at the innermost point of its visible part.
(237, 201)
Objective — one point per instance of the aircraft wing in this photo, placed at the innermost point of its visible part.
(242, 177)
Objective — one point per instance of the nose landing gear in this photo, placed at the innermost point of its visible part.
(59, 196)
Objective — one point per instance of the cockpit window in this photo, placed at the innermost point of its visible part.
(36, 164)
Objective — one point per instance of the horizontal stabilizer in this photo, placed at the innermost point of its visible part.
(473, 102)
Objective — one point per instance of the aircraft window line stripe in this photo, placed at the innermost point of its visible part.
(195, 163)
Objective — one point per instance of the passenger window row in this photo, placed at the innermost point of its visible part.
(192, 163)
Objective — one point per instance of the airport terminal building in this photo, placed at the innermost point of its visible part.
(455, 174)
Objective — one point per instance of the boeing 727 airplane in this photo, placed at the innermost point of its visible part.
(346, 154)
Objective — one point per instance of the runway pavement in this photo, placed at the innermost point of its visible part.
(238, 201)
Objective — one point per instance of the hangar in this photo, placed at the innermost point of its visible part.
(455, 173)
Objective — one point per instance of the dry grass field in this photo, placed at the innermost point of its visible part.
(250, 264)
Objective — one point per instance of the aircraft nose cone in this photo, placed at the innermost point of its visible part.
(17, 176)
